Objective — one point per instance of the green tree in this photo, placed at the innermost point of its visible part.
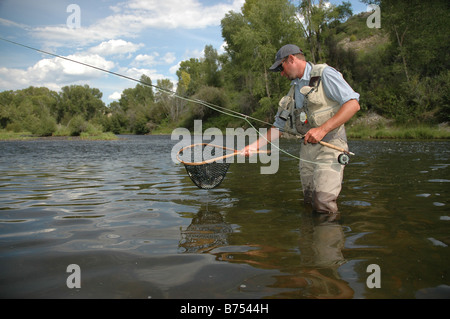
(418, 32)
(136, 103)
(211, 67)
(410, 83)
(29, 110)
(79, 100)
(166, 102)
(141, 94)
(253, 37)
(315, 18)
(191, 75)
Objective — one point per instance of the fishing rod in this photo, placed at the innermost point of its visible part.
(342, 158)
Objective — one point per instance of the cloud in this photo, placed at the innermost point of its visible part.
(136, 73)
(153, 59)
(115, 96)
(10, 23)
(169, 57)
(175, 68)
(146, 59)
(55, 73)
(130, 18)
(189, 14)
(115, 47)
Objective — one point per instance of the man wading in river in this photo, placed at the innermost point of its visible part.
(319, 103)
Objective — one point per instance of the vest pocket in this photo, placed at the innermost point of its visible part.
(321, 116)
(302, 128)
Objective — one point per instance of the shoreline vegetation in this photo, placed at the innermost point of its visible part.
(367, 127)
(27, 136)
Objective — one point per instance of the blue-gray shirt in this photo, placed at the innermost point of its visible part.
(335, 87)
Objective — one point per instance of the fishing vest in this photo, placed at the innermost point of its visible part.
(317, 108)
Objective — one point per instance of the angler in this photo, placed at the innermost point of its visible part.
(323, 102)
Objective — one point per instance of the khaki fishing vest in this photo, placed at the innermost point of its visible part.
(317, 107)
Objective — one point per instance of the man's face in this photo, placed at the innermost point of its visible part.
(288, 69)
(292, 68)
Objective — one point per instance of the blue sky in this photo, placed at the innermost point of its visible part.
(130, 37)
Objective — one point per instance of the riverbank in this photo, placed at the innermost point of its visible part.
(25, 136)
(368, 126)
(374, 126)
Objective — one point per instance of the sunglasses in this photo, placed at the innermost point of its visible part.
(280, 67)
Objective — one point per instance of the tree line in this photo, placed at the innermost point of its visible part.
(403, 74)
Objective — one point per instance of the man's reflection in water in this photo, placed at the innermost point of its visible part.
(321, 242)
(313, 275)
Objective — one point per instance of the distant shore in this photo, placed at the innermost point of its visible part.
(26, 136)
(369, 126)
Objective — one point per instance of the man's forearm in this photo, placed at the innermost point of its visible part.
(271, 135)
(345, 113)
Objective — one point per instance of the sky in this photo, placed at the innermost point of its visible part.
(129, 37)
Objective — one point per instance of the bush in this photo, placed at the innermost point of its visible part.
(45, 126)
(77, 125)
(140, 126)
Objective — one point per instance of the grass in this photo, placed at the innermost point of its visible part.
(103, 136)
(23, 136)
(10, 135)
(397, 132)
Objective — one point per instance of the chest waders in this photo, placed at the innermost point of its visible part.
(321, 175)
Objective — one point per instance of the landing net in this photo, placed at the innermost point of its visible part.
(205, 163)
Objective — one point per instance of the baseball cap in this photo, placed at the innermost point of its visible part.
(285, 50)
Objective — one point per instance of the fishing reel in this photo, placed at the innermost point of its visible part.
(343, 159)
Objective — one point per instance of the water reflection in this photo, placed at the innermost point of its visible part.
(321, 242)
(313, 266)
(208, 230)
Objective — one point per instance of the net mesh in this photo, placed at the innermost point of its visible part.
(205, 164)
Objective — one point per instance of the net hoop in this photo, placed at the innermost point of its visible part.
(208, 161)
(207, 173)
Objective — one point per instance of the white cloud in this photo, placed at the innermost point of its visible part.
(188, 14)
(153, 59)
(55, 73)
(196, 54)
(222, 48)
(174, 69)
(146, 59)
(10, 23)
(136, 73)
(113, 47)
(115, 96)
(132, 17)
(169, 57)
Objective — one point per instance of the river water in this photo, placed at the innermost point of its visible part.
(136, 226)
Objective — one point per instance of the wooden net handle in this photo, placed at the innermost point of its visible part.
(215, 159)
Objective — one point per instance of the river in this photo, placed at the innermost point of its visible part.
(135, 226)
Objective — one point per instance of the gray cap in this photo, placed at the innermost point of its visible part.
(285, 50)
